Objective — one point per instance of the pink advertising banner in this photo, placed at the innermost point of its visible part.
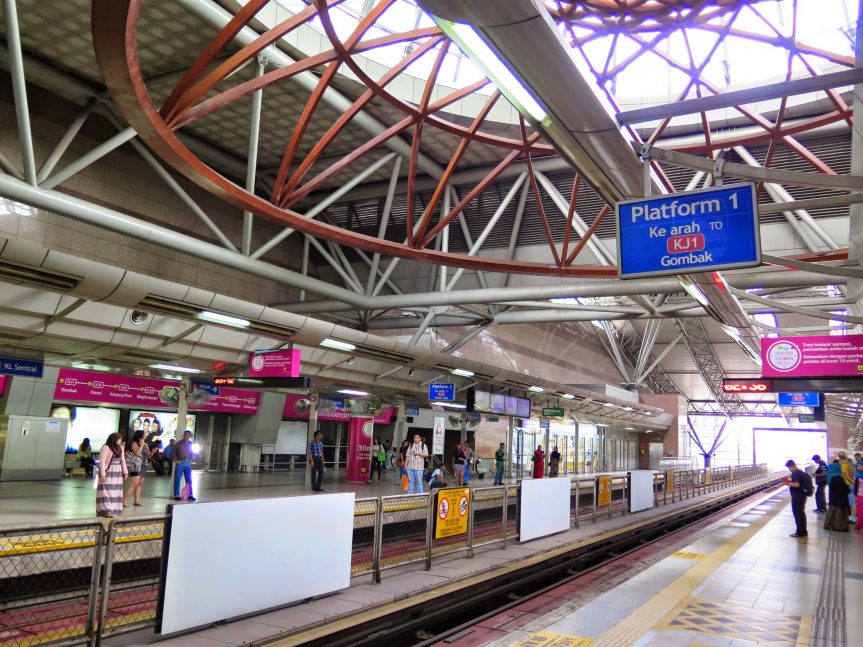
(3, 380)
(141, 392)
(819, 356)
(329, 409)
(360, 431)
(275, 363)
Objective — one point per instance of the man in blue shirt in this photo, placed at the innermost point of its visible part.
(316, 461)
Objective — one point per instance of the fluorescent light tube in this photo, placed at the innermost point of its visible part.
(608, 404)
(462, 372)
(353, 392)
(536, 389)
(228, 320)
(338, 345)
(179, 369)
(569, 396)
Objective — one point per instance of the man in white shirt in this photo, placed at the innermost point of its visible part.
(415, 462)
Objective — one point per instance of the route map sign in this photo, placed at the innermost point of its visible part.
(453, 506)
(697, 231)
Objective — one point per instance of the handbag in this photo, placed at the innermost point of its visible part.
(96, 474)
(133, 461)
(185, 492)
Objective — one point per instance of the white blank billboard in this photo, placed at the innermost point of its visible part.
(641, 490)
(232, 558)
(544, 507)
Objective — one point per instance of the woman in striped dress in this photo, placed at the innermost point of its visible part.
(112, 473)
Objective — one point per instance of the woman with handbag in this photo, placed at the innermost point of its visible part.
(112, 473)
(136, 461)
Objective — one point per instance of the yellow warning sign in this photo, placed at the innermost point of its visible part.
(603, 491)
(452, 509)
(551, 639)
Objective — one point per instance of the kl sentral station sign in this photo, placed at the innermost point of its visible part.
(815, 356)
(697, 231)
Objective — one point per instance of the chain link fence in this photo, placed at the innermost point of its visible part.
(48, 583)
(129, 590)
(405, 529)
(490, 522)
(366, 518)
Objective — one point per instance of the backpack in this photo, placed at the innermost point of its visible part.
(808, 486)
(427, 475)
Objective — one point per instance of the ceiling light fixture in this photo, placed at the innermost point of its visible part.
(353, 392)
(228, 320)
(608, 404)
(452, 405)
(172, 367)
(463, 372)
(337, 345)
(568, 396)
(536, 389)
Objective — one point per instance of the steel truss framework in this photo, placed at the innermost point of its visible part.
(307, 182)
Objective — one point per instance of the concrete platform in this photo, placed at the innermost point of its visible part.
(400, 587)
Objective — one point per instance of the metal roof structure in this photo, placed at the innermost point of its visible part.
(414, 195)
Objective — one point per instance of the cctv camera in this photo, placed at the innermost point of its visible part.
(411, 372)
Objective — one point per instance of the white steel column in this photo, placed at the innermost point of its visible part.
(19, 89)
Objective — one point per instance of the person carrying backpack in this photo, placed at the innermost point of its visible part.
(801, 487)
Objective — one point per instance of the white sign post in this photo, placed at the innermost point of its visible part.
(437, 437)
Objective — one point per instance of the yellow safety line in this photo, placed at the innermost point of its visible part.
(349, 621)
(630, 629)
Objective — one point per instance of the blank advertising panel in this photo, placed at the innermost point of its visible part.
(640, 490)
(231, 558)
(543, 508)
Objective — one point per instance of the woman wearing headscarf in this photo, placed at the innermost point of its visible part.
(838, 509)
(112, 473)
(538, 463)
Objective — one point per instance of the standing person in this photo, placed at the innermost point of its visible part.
(183, 455)
(553, 462)
(538, 462)
(468, 458)
(820, 484)
(316, 460)
(387, 449)
(112, 473)
(136, 461)
(848, 470)
(837, 508)
(798, 484)
(458, 464)
(415, 461)
(378, 459)
(499, 464)
(85, 457)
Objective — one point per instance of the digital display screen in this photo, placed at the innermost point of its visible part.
(482, 401)
(95, 423)
(523, 408)
(799, 399)
(224, 381)
(511, 406)
(498, 403)
(746, 386)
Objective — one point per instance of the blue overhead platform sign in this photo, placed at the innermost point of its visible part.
(697, 231)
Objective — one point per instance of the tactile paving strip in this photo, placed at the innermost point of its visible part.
(551, 639)
(737, 623)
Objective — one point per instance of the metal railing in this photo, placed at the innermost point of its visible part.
(75, 583)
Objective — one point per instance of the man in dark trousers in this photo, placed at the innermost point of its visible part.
(316, 461)
(798, 484)
(820, 483)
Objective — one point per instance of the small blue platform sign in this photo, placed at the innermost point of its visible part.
(697, 231)
(441, 392)
(25, 367)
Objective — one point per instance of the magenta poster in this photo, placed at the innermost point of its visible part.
(329, 409)
(360, 431)
(275, 363)
(3, 384)
(819, 356)
(141, 392)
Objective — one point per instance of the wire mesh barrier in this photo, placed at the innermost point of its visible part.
(404, 529)
(129, 589)
(366, 512)
(69, 583)
(48, 583)
(490, 517)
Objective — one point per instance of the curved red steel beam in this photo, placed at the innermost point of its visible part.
(114, 29)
